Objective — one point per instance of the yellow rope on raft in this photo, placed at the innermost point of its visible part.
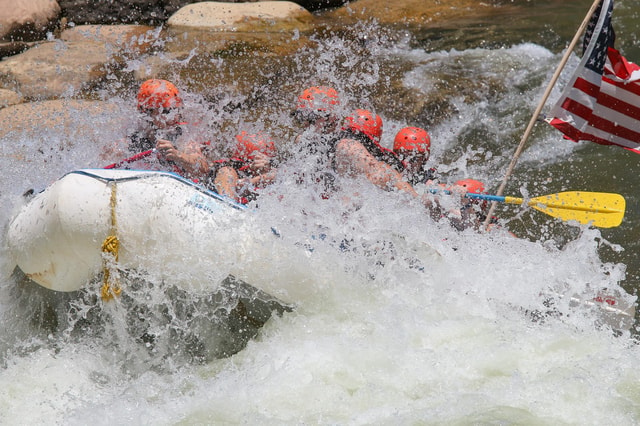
(110, 247)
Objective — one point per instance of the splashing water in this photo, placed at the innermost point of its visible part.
(396, 318)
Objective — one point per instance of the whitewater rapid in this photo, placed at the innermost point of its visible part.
(440, 327)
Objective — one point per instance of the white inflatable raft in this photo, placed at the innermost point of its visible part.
(167, 226)
(170, 229)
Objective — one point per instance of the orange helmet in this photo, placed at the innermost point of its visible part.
(248, 143)
(412, 139)
(319, 99)
(366, 122)
(474, 187)
(471, 185)
(156, 94)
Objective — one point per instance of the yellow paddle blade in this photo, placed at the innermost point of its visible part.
(595, 208)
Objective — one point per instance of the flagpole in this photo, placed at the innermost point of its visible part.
(538, 110)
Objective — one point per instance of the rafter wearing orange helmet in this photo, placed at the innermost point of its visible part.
(345, 154)
(318, 106)
(366, 127)
(249, 169)
(472, 213)
(410, 140)
(413, 146)
(319, 99)
(249, 146)
(162, 131)
(365, 122)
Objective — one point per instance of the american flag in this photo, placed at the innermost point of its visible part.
(601, 103)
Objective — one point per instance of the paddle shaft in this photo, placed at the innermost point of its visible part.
(543, 100)
(131, 159)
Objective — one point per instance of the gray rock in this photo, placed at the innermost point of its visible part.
(123, 38)
(38, 119)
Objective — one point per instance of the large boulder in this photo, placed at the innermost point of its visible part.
(55, 69)
(202, 39)
(134, 39)
(266, 16)
(27, 20)
(148, 12)
(74, 121)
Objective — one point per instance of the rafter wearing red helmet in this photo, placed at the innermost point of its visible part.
(474, 212)
(366, 127)
(249, 169)
(412, 145)
(161, 130)
(318, 107)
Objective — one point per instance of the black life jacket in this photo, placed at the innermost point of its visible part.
(423, 177)
(142, 140)
(326, 176)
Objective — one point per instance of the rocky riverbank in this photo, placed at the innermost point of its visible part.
(53, 60)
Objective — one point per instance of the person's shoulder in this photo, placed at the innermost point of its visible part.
(349, 142)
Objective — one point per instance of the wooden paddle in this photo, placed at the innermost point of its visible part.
(595, 208)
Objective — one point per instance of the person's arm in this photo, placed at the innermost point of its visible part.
(226, 181)
(191, 160)
(259, 181)
(260, 163)
(466, 216)
(353, 158)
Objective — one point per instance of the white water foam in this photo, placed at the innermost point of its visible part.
(438, 327)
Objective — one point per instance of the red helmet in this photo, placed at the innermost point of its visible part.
(471, 185)
(319, 99)
(474, 187)
(366, 122)
(412, 139)
(248, 143)
(156, 94)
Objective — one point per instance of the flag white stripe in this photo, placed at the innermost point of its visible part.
(620, 93)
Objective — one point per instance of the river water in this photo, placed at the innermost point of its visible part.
(443, 327)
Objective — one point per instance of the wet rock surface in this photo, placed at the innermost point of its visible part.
(27, 20)
(149, 12)
(250, 56)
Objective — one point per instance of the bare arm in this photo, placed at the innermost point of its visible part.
(259, 181)
(191, 160)
(352, 158)
(226, 181)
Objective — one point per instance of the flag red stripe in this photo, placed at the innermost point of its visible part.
(632, 88)
(600, 123)
(575, 135)
(619, 105)
(609, 101)
(624, 98)
(587, 87)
